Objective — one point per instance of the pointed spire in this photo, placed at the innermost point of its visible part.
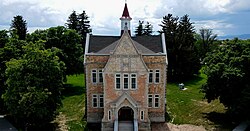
(125, 20)
(125, 13)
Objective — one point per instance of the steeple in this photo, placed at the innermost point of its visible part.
(125, 20)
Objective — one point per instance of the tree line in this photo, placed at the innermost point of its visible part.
(33, 66)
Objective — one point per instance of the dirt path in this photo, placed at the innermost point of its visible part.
(172, 127)
(61, 120)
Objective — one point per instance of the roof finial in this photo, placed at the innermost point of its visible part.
(126, 1)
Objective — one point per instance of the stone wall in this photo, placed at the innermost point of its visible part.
(153, 63)
(140, 94)
(94, 62)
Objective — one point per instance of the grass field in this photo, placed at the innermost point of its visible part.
(72, 112)
(183, 106)
(189, 107)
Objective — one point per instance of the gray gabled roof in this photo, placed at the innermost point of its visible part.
(110, 48)
(106, 44)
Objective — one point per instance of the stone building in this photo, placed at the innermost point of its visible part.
(125, 79)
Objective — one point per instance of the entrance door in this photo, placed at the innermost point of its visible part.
(125, 114)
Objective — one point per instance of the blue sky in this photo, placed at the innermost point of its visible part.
(225, 17)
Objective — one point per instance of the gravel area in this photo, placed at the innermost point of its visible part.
(173, 127)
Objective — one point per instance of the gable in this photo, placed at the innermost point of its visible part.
(125, 57)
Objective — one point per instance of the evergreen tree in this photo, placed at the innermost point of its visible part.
(72, 22)
(187, 59)
(142, 29)
(148, 30)
(169, 28)
(179, 36)
(84, 26)
(19, 27)
(81, 24)
(139, 29)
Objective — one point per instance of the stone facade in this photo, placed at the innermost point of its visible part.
(125, 78)
(145, 99)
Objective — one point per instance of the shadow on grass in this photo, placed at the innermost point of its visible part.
(42, 127)
(167, 117)
(191, 80)
(223, 120)
(194, 80)
(70, 90)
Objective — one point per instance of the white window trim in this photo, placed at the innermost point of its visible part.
(152, 97)
(92, 71)
(100, 71)
(151, 72)
(153, 100)
(116, 81)
(124, 82)
(109, 115)
(155, 76)
(131, 77)
(142, 115)
(97, 97)
(158, 100)
(99, 102)
(97, 72)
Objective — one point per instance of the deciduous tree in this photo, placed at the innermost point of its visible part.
(228, 75)
(205, 42)
(69, 42)
(33, 85)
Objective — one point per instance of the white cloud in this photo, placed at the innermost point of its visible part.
(217, 25)
(104, 15)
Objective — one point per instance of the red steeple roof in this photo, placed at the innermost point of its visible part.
(125, 13)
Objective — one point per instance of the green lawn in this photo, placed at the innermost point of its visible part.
(72, 112)
(183, 106)
(189, 107)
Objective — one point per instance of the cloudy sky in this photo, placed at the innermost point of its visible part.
(225, 17)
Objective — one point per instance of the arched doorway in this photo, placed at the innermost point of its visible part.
(125, 114)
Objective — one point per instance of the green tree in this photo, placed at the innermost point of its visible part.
(4, 38)
(83, 27)
(12, 49)
(205, 42)
(69, 42)
(19, 27)
(142, 29)
(148, 29)
(182, 57)
(228, 75)
(139, 29)
(37, 35)
(81, 24)
(187, 62)
(72, 22)
(169, 28)
(33, 85)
